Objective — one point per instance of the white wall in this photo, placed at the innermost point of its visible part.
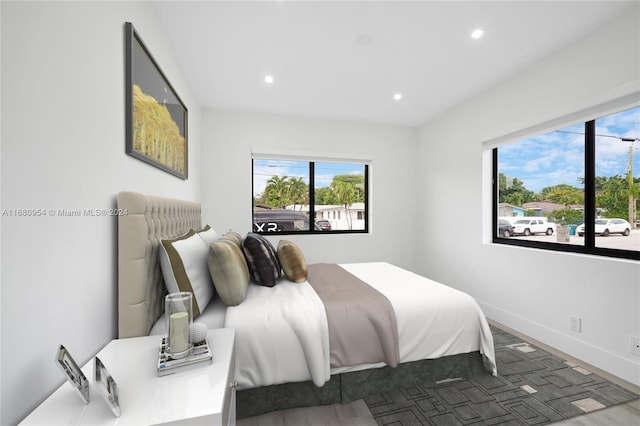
(533, 291)
(63, 147)
(227, 197)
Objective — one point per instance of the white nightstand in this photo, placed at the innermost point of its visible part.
(202, 395)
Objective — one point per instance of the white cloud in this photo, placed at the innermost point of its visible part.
(558, 157)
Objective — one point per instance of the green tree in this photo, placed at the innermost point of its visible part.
(276, 191)
(325, 196)
(513, 191)
(614, 198)
(345, 191)
(354, 182)
(260, 198)
(298, 192)
(562, 194)
(566, 195)
(282, 191)
(348, 189)
(568, 216)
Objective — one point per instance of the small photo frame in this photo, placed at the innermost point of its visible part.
(107, 386)
(72, 372)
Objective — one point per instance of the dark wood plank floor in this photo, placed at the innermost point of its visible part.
(354, 413)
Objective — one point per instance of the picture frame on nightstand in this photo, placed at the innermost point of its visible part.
(106, 386)
(72, 372)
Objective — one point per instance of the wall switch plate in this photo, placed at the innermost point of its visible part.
(634, 345)
(575, 324)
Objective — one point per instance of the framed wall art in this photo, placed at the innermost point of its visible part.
(156, 118)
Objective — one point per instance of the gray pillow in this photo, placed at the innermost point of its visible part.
(262, 260)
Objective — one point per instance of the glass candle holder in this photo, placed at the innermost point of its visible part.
(178, 312)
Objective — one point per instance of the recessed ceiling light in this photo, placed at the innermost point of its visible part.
(363, 40)
(397, 96)
(477, 33)
(268, 79)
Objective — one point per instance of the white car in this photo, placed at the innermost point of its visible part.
(608, 226)
(533, 225)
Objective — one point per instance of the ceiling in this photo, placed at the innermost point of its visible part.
(346, 60)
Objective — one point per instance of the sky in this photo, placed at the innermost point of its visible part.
(263, 170)
(550, 159)
(557, 157)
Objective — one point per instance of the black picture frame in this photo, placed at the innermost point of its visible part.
(152, 108)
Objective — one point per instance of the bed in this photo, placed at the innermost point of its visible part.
(292, 338)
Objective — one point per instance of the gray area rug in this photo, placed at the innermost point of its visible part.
(533, 387)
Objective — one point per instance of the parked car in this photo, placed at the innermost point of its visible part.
(505, 229)
(608, 226)
(533, 225)
(273, 219)
(323, 225)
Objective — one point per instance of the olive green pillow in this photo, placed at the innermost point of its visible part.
(228, 270)
(235, 237)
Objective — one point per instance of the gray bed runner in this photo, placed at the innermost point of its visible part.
(362, 323)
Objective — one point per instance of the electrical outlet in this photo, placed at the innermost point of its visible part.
(634, 345)
(575, 324)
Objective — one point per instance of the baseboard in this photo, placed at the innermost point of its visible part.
(608, 365)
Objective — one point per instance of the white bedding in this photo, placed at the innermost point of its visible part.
(434, 320)
(282, 333)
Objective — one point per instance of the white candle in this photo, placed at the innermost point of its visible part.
(179, 332)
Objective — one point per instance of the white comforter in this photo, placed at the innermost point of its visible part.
(282, 333)
(434, 320)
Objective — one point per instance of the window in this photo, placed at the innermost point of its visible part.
(294, 196)
(572, 189)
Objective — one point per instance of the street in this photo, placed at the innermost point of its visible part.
(614, 241)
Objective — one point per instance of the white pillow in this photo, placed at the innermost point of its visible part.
(208, 234)
(183, 261)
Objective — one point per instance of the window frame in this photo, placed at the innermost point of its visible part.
(589, 246)
(312, 159)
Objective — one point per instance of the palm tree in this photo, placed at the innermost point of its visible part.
(276, 191)
(346, 193)
(298, 192)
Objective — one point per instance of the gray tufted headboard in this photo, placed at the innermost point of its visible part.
(144, 221)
